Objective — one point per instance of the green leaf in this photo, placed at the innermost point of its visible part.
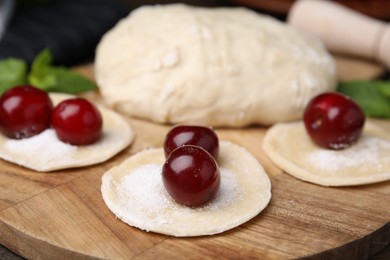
(38, 76)
(13, 72)
(372, 96)
(41, 80)
(57, 79)
(384, 87)
(41, 61)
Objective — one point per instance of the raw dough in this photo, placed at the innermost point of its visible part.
(212, 66)
(134, 192)
(45, 152)
(368, 161)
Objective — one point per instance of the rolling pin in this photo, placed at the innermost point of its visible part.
(343, 30)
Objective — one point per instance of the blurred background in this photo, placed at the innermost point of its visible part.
(71, 29)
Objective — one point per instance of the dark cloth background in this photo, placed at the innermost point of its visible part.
(71, 29)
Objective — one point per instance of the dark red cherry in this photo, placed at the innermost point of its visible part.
(77, 121)
(25, 111)
(191, 176)
(333, 121)
(204, 137)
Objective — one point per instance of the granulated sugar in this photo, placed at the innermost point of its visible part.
(43, 147)
(367, 151)
(228, 192)
(144, 187)
(143, 193)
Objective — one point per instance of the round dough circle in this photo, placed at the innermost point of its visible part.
(245, 191)
(367, 161)
(211, 66)
(45, 152)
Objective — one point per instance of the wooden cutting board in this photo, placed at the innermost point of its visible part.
(62, 214)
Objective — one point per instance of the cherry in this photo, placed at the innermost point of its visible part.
(77, 121)
(191, 175)
(25, 111)
(333, 121)
(201, 136)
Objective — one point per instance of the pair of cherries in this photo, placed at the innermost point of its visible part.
(191, 174)
(26, 111)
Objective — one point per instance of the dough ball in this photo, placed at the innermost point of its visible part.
(213, 66)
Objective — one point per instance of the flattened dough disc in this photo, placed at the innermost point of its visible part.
(134, 192)
(45, 152)
(368, 161)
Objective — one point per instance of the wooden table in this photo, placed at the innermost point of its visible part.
(62, 214)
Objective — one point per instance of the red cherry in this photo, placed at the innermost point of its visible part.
(333, 121)
(77, 121)
(201, 136)
(191, 176)
(25, 111)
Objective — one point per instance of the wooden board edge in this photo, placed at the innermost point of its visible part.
(363, 248)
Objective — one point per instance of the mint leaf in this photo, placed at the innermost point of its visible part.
(38, 76)
(13, 72)
(372, 96)
(57, 79)
(384, 87)
(60, 79)
(40, 79)
(42, 75)
(41, 61)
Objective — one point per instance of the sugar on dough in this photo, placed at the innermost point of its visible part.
(134, 192)
(45, 152)
(367, 161)
(214, 66)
